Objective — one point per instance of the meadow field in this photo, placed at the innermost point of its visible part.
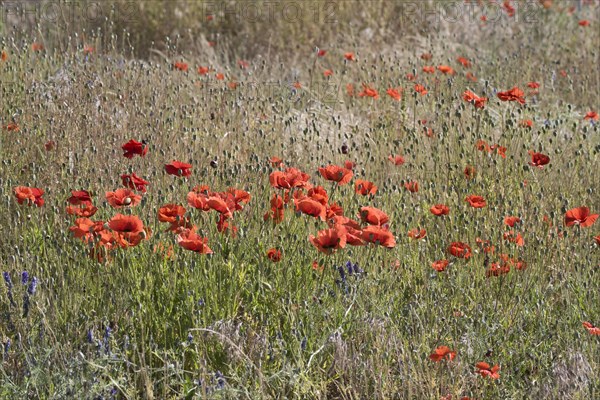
(300, 199)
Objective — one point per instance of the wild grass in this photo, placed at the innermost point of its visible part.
(236, 325)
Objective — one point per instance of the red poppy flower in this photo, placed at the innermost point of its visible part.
(318, 193)
(203, 70)
(440, 265)
(594, 330)
(533, 85)
(580, 216)
(464, 62)
(514, 94)
(218, 204)
(29, 195)
(420, 89)
(511, 221)
(538, 159)
(445, 69)
(190, 240)
(349, 165)
(11, 127)
(369, 92)
(429, 69)
(37, 46)
(395, 94)
(412, 186)
(514, 237)
(364, 188)
(274, 255)
(180, 65)
(591, 115)
(485, 370)
(597, 239)
(584, 22)
(475, 201)
(171, 213)
(350, 89)
(82, 229)
(123, 198)
(459, 250)
(3, 56)
(134, 147)
(441, 353)
(134, 182)
(83, 210)
(469, 172)
(527, 123)
(439, 210)
(130, 229)
(497, 269)
(486, 246)
(417, 233)
(336, 174)
(471, 77)
(178, 168)
(478, 102)
(349, 56)
(219, 76)
(329, 240)
(276, 161)
(327, 73)
(426, 56)
(80, 197)
(379, 236)
(396, 159)
(373, 216)
(321, 53)
(50, 145)
(312, 207)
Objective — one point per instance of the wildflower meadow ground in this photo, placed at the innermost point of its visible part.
(300, 200)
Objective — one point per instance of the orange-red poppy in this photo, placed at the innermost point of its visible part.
(349, 56)
(123, 198)
(580, 216)
(368, 91)
(429, 69)
(584, 22)
(11, 127)
(276, 161)
(469, 172)
(445, 69)
(395, 94)
(203, 70)
(533, 85)
(412, 186)
(475, 201)
(420, 89)
(80, 197)
(373, 216)
(527, 123)
(3, 56)
(485, 370)
(312, 207)
(396, 159)
(171, 213)
(190, 240)
(134, 182)
(274, 255)
(178, 168)
(442, 353)
(129, 228)
(329, 240)
(597, 239)
(337, 174)
(417, 233)
(180, 65)
(464, 62)
(514, 94)
(478, 102)
(327, 73)
(426, 56)
(538, 159)
(29, 195)
(364, 188)
(459, 250)
(440, 265)
(594, 330)
(439, 210)
(379, 236)
(512, 221)
(591, 115)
